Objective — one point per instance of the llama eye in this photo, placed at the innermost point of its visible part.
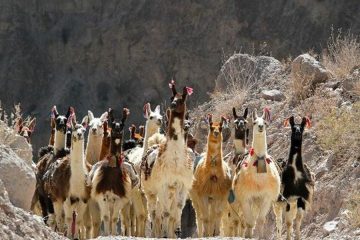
(151, 117)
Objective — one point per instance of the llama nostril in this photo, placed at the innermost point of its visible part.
(94, 130)
(173, 105)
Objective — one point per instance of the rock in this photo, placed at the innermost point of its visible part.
(244, 68)
(273, 95)
(330, 226)
(306, 66)
(17, 224)
(18, 177)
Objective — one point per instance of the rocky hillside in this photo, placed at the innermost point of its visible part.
(96, 54)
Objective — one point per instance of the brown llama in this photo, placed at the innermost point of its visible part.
(211, 184)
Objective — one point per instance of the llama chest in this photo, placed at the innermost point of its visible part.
(77, 183)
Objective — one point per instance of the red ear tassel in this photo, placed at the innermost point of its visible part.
(189, 90)
(267, 114)
(286, 122)
(308, 122)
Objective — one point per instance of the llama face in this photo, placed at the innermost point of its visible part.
(62, 121)
(215, 129)
(154, 118)
(297, 130)
(78, 132)
(178, 100)
(260, 123)
(25, 129)
(240, 123)
(96, 124)
(117, 128)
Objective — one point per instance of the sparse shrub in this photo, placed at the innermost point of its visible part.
(338, 129)
(353, 205)
(302, 87)
(342, 53)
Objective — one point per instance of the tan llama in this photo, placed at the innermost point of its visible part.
(211, 183)
(257, 184)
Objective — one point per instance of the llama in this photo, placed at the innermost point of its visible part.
(211, 183)
(74, 188)
(297, 184)
(138, 201)
(25, 128)
(232, 221)
(163, 191)
(110, 183)
(257, 184)
(92, 217)
(47, 159)
(96, 132)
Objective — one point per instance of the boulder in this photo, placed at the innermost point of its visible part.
(273, 95)
(17, 176)
(306, 66)
(245, 69)
(16, 224)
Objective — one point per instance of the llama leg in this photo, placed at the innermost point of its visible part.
(218, 210)
(95, 217)
(104, 213)
(278, 209)
(125, 220)
(248, 217)
(87, 221)
(301, 206)
(264, 208)
(115, 217)
(290, 215)
(68, 218)
(80, 220)
(198, 217)
(58, 211)
(151, 205)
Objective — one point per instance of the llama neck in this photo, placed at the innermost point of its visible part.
(93, 148)
(150, 129)
(240, 147)
(77, 156)
(214, 153)
(59, 142)
(259, 145)
(295, 157)
(176, 126)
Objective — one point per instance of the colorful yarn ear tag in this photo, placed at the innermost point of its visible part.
(231, 196)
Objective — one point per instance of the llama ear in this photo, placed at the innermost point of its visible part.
(245, 113)
(111, 115)
(142, 130)
(254, 115)
(185, 93)
(73, 122)
(70, 112)
(266, 115)
(306, 122)
(54, 112)
(209, 119)
(125, 114)
(104, 117)
(105, 126)
(234, 113)
(286, 122)
(85, 121)
(224, 122)
(91, 116)
(52, 123)
(32, 124)
(157, 109)
(172, 87)
(147, 110)
(292, 121)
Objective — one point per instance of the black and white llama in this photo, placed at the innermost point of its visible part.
(297, 183)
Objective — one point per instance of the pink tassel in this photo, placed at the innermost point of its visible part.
(189, 90)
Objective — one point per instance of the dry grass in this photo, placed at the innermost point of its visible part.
(353, 205)
(302, 87)
(342, 53)
(338, 130)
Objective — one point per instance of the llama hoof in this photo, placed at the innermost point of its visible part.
(178, 232)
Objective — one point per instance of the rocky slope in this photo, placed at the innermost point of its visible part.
(95, 54)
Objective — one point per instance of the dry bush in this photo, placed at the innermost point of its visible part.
(342, 53)
(353, 205)
(302, 87)
(338, 129)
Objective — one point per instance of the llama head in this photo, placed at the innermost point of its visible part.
(61, 122)
(117, 127)
(154, 118)
(297, 130)
(260, 123)
(178, 100)
(96, 124)
(142, 131)
(240, 123)
(77, 130)
(215, 128)
(187, 122)
(26, 128)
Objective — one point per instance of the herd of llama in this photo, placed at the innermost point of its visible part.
(139, 186)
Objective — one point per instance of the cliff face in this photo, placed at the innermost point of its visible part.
(92, 54)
